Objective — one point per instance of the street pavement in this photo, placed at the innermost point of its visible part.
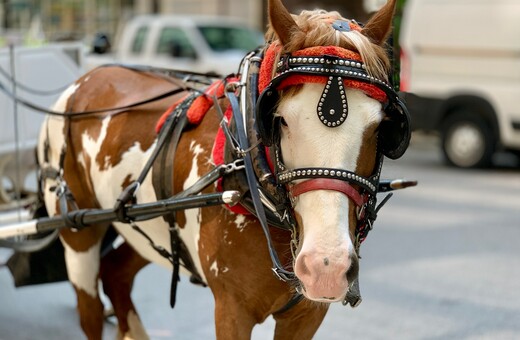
(443, 262)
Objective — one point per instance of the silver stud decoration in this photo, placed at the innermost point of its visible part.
(345, 67)
(344, 175)
(333, 107)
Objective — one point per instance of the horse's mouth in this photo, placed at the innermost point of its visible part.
(300, 289)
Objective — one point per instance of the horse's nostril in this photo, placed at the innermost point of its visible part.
(302, 268)
(353, 270)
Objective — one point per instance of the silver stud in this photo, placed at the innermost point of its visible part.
(333, 173)
(332, 111)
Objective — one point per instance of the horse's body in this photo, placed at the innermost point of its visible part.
(105, 153)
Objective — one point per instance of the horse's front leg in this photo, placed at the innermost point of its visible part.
(118, 270)
(82, 257)
(233, 320)
(300, 322)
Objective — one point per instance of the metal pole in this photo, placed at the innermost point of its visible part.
(18, 161)
(137, 212)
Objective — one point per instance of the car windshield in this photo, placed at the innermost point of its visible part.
(223, 39)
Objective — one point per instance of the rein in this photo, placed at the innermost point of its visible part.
(119, 109)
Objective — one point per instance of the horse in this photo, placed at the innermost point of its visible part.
(319, 118)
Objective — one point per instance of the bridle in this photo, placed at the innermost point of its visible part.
(337, 71)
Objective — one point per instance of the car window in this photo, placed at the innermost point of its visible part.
(172, 37)
(139, 40)
(231, 38)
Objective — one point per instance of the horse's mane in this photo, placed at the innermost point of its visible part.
(316, 30)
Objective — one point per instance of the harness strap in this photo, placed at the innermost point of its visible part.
(295, 299)
(129, 192)
(278, 269)
(114, 110)
(328, 184)
(162, 178)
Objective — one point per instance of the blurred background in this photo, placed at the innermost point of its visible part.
(34, 21)
(443, 261)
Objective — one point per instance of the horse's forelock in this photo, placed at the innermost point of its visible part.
(316, 30)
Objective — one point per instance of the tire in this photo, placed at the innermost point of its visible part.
(467, 140)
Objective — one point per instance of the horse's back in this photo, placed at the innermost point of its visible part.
(101, 153)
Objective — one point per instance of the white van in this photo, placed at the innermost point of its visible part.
(461, 64)
(191, 43)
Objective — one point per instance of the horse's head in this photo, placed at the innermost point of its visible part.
(322, 107)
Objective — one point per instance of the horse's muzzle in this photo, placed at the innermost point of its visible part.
(326, 278)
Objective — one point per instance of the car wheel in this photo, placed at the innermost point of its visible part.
(467, 140)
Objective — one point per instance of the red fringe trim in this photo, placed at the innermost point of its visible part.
(266, 70)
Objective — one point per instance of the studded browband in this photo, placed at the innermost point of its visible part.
(332, 108)
(328, 65)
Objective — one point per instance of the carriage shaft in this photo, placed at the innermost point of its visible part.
(85, 217)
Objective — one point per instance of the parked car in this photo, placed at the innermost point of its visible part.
(461, 67)
(200, 44)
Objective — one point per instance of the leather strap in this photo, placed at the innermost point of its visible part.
(277, 268)
(328, 184)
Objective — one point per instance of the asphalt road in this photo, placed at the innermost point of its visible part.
(443, 262)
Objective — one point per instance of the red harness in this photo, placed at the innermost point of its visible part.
(196, 113)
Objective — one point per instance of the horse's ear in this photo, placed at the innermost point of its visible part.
(281, 21)
(379, 26)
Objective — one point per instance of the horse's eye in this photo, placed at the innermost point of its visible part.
(283, 122)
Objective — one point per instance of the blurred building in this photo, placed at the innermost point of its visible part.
(80, 19)
(50, 20)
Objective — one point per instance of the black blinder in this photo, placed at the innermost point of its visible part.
(268, 127)
(394, 131)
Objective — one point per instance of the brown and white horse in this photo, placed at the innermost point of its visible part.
(105, 153)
